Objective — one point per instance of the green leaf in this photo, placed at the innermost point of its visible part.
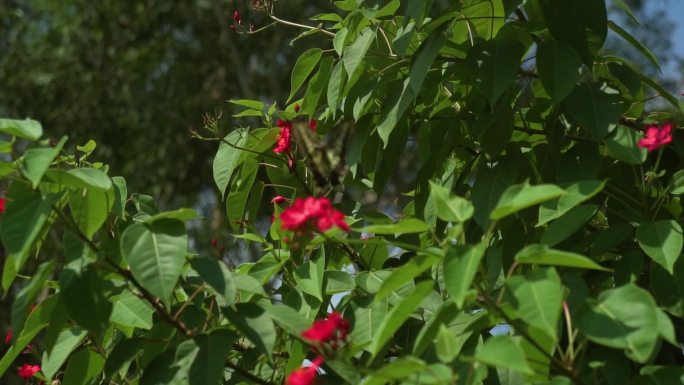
(446, 346)
(404, 226)
(400, 100)
(316, 86)
(398, 369)
(367, 321)
(182, 214)
(596, 107)
(544, 255)
(407, 272)
(210, 362)
(255, 324)
(559, 66)
(662, 241)
(338, 282)
(83, 368)
(226, 159)
(238, 196)
(573, 195)
(80, 178)
(355, 53)
(677, 183)
(172, 367)
(622, 318)
(26, 129)
(444, 315)
(90, 208)
(568, 224)
(121, 196)
(156, 253)
(309, 276)
(122, 355)
(37, 160)
(84, 299)
(335, 86)
(648, 54)
(623, 145)
(287, 318)
(251, 104)
(20, 226)
(521, 196)
(537, 299)
(450, 207)
(460, 266)
(38, 319)
(503, 352)
(66, 342)
(495, 65)
(396, 317)
(580, 23)
(626, 9)
(662, 92)
(27, 295)
(131, 311)
(217, 275)
(302, 69)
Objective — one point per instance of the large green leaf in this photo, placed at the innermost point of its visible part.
(90, 208)
(662, 241)
(27, 129)
(595, 107)
(623, 145)
(27, 295)
(131, 311)
(648, 54)
(83, 368)
(80, 178)
(210, 363)
(38, 319)
(460, 266)
(397, 315)
(450, 207)
(287, 318)
(537, 299)
(355, 53)
(573, 195)
(503, 352)
(622, 318)
(255, 324)
(226, 159)
(66, 342)
(396, 370)
(558, 65)
(580, 23)
(172, 367)
(544, 255)
(156, 253)
(309, 276)
(522, 196)
(302, 69)
(495, 65)
(411, 269)
(217, 275)
(404, 226)
(568, 224)
(238, 196)
(37, 160)
(84, 298)
(20, 226)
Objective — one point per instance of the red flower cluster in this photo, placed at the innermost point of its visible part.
(307, 375)
(27, 371)
(2, 205)
(333, 330)
(283, 139)
(656, 136)
(278, 199)
(308, 213)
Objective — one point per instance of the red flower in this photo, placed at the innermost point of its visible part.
(312, 212)
(307, 375)
(27, 371)
(2, 205)
(236, 16)
(8, 337)
(278, 199)
(656, 136)
(214, 243)
(313, 124)
(283, 139)
(333, 328)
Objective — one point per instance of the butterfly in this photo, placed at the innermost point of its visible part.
(324, 156)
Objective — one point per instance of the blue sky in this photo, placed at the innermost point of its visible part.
(675, 10)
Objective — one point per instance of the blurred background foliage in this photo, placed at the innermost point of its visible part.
(136, 75)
